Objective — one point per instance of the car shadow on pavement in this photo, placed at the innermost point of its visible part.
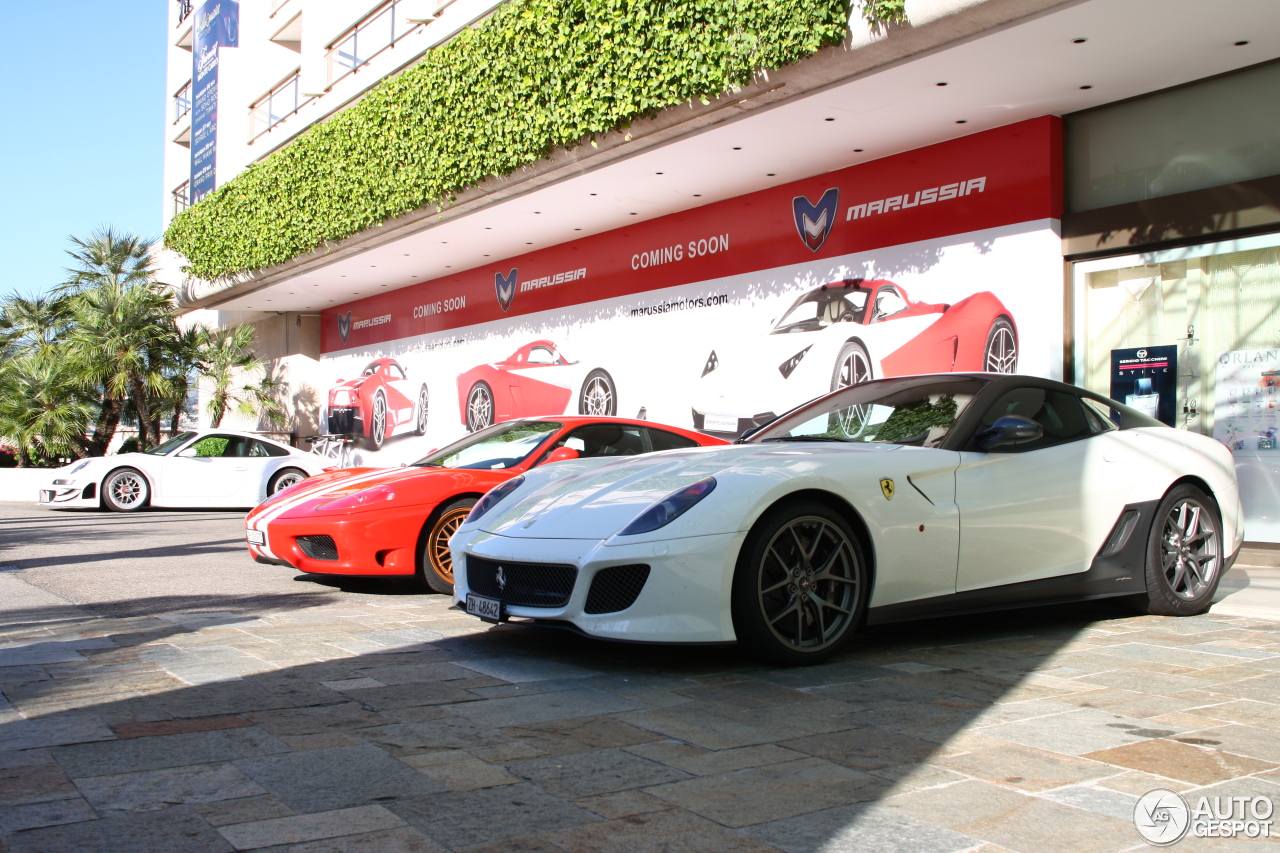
(388, 722)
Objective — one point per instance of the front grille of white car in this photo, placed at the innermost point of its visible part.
(521, 584)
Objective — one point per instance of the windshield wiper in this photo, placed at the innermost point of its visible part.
(808, 438)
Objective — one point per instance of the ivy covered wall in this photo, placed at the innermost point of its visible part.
(537, 75)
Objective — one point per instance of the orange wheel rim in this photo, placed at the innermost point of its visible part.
(438, 547)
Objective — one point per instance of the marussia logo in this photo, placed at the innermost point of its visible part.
(505, 287)
(814, 221)
(344, 325)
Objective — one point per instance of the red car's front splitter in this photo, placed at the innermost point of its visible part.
(380, 543)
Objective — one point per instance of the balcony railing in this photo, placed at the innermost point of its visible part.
(181, 197)
(182, 102)
(378, 31)
(184, 10)
(276, 106)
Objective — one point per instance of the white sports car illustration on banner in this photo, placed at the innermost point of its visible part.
(844, 333)
(891, 500)
(199, 468)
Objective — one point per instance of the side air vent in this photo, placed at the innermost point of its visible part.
(615, 588)
(319, 547)
(1120, 533)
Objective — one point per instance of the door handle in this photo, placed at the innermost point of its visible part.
(242, 468)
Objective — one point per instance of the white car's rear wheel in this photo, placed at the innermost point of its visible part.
(284, 478)
(1184, 554)
(125, 490)
(800, 588)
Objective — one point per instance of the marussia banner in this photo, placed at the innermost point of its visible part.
(947, 258)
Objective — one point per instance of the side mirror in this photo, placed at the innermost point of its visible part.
(561, 454)
(1009, 430)
(188, 453)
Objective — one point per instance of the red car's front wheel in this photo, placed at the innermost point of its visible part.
(435, 562)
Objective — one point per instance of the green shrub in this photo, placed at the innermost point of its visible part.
(537, 75)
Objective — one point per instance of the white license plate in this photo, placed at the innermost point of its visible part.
(255, 537)
(488, 609)
(720, 423)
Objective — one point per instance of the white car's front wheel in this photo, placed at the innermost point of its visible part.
(800, 588)
(1184, 554)
(125, 490)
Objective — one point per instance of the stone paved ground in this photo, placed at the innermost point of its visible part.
(371, 720)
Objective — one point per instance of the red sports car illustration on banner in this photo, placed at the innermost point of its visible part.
(535, 380)
(367, 521)
(377, 404)
(845, 333)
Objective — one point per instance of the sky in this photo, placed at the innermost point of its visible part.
(82, 121)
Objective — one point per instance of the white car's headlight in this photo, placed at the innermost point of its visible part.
(670, 508)
(83, 463)
(491, 498)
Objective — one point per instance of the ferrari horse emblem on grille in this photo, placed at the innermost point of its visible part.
(886, 486)
(502, 579)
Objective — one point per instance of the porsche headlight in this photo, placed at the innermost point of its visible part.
(83, 463)
(491, 498)
(670, 508)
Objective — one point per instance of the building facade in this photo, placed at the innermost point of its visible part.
(1003, 185)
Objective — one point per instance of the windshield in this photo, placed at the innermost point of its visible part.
(371, 369)
(919, 411)
(817, 309)
(166, 447)
(500, 446)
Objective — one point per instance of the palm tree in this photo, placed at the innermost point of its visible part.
(228, 355)
(183, 362)
(32, 323)
(45, 406)
(108, 257)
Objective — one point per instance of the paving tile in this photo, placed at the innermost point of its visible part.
(53, 731)
(774, 792)
(326, 779)
(560, 737)
(1103, 801)
(1026, 768)
(125, 731)
(868, 748)
(414, 695)
(353, 684)
(702, 762)
(718, 728)
(1078, 732)
(524, 710)
(745, 695)
(309, 827)
(1265, 715)
(669, 831)
(173, 830)
(519, 670)
(463, 818)
(458, 770)
(155, 753)
(1013, 820)
(244, 810)
(862, 828)
(153, 789)
(403, 839)
(582, 774)
(1138, 783)
(34, 784)
(416, 673)
(41, 814)
(621, 804)
(1196, 764)
(1262, 744)
(447, 733)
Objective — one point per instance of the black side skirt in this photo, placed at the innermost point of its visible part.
(1119, 569)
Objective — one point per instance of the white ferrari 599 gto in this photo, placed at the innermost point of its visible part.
(892, 500)
(198, 468)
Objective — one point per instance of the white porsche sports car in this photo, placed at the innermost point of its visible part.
(890, 500)
(199, 468)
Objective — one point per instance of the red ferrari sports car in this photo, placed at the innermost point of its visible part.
(397, 521)
(535, 380)
(377, 404)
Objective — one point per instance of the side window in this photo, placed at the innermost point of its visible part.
(262, 448)
(1061, 415)
(1102, 417)
(663, 440)
(606, 440)
(541, 355)
(214, 445)
(888, 303)
(395, 371)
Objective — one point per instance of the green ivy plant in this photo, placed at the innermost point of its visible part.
(535, 76)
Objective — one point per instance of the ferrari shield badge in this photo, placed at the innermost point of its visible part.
(886, 486)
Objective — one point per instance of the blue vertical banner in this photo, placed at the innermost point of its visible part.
(217, 25)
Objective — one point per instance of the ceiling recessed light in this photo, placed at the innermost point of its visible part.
(577, 229)
(487, 228)
(528, 244)
(961, 120)
(939, 84)
(406, 254)
(444, 242)
(828, 119)
(1086, 87)
(772, 175)
(1079, 41)
(857, 151)
(486, 256)
(633, 213)
(1242, 43)
(697, 195)
(657, 173)
(344, 276)
(537, 211)
(384, 285)
(593, 193)
(373, 266)
(737, 148)
(448, 266)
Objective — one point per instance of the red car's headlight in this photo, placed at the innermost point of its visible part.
(367, 499)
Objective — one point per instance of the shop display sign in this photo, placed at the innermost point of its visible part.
(1247, 402)
(1146, 379)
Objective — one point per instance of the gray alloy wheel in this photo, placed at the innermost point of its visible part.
(598, 396)
(1184, 554)
(479, 407)
(853, 366)
(125, 490)
(284, 478)
(1001, 353)
(800, 588)
(377, 422)
(420, 427)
